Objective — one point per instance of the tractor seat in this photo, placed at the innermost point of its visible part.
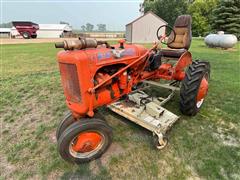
(181, 41)
(174, 53)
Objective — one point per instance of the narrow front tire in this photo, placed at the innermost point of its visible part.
(85, 140)
(66, 121)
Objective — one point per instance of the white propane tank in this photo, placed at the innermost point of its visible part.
(220, 40)
(227, 41)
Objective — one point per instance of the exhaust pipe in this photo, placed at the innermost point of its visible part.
(81, 43)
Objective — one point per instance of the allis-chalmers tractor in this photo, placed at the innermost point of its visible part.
(96, 74)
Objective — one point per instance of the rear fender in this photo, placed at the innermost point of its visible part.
(184, 61)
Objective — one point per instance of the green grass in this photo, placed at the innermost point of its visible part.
(32, 103)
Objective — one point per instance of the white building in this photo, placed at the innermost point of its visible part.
(5, 32)
(144, 28)
(53, 30)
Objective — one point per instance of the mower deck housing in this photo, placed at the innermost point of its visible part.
(147, 111)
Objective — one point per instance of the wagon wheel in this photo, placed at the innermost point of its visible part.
(26, 35)
(85, 140)
(34, 36)
(194, 87)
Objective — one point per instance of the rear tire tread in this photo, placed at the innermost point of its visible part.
(190, 86)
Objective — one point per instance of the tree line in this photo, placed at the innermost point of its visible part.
(6, 25)
(90, 27)
(207, 15)
(86, 28)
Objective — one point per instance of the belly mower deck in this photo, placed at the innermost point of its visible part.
(148, 112)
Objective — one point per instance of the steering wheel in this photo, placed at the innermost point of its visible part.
(162, 38)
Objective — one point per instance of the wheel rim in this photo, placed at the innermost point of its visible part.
(202, 92)
(86, 144)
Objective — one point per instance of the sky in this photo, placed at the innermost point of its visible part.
(114, 13)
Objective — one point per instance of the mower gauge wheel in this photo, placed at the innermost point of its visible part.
(84, 140)
(167, 33)
(160, 141)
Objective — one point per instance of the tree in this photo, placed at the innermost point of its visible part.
(63, 22)
(201, 12)
(89, 27)
(227, 17)
(168, 10)
(83, 28)
(6, 25)
(102, 27)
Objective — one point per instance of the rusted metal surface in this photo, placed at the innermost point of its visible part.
(157, 84)
(81, 43)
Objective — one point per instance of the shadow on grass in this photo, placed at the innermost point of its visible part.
(84, 171)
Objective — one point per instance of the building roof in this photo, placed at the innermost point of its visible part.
(149, 12)
(5, 30)
(64, 27)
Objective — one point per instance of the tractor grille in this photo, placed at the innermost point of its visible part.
(70, 82)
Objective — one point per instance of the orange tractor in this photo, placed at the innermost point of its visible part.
(96, 74)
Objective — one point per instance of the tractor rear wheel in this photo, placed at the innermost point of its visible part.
(85, 140)
(194, 87)
(26, 35)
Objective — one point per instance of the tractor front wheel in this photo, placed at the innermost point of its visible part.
(194, 87)
(66, 121)
(84, 140)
